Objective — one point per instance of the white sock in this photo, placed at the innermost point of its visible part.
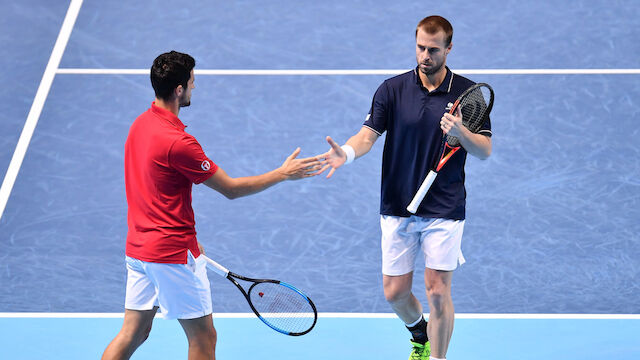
(432, 358)
(415, 322)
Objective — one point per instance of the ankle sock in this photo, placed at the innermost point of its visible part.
(418, 330)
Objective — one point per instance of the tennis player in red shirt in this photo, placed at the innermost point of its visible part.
(164, 267)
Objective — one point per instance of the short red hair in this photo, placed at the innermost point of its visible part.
(433, 24)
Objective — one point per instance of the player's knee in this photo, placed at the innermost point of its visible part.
(205, 347)
(205, 341)
(439, 297)
(135, 336)
(395, 295)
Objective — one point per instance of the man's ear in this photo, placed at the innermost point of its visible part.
(178, 91)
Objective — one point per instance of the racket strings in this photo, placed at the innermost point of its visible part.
(282, 307)
(474, 111)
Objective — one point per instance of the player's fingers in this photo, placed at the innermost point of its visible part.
(313, 159)
(323, 169)
(294, 154)
(323, 157)
(313, 168)
(312, 171)
(331, 172)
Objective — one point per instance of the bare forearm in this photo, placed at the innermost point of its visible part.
(249, 185)
(291, 169)
(362, 142)
(477, 145)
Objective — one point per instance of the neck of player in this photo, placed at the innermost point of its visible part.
(432, 81)
(171, 105)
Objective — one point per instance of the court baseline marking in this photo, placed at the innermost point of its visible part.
(41, 315)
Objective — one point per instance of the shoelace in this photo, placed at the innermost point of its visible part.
(417, 352)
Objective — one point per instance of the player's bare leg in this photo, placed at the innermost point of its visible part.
(135, 330)
(441, 316)
(202, 337)
(397, 291)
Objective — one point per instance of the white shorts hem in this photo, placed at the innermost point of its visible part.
(441, 267)
(396, 272)
(189, 316)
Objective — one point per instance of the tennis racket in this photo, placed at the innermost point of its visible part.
(281, 306)
(476, 103)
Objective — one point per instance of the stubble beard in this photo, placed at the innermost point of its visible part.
(184, 102)
(432, 70)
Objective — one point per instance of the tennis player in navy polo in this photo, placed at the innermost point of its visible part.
(410, 108)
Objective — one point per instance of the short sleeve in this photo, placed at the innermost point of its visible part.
(186, 156)
(378, 117)
(486, 128)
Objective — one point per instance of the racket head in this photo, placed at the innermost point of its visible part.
(476, 103)
(282, 307)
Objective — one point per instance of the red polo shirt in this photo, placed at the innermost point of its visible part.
(161, 162)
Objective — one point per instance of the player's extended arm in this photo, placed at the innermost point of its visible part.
(291, 169)
(336, 156)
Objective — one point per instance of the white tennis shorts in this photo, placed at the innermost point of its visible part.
(182, 291)
(404, 237)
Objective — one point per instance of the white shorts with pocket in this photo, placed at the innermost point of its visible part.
(403, 237)
(182, 291)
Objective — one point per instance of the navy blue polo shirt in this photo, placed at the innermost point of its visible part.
(410, 115)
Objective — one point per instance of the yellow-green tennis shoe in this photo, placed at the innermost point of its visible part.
(420, 351)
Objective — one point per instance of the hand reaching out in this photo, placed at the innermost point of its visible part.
(334, 158)
(295, 169)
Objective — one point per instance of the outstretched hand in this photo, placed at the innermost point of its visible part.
(295, 169)
(334, 158)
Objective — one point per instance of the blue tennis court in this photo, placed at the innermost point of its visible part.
(552, 239)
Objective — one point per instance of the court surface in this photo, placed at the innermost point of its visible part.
(552, 238)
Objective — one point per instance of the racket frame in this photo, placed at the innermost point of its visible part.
(231, 276)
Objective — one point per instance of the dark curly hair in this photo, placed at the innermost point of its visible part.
(170, 70)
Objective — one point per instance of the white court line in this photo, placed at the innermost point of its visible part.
(70, 71)
(21, 315)
(38, 103)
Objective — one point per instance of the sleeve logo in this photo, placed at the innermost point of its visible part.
(206, 165)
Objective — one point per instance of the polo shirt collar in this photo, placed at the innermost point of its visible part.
(167, 115)
(445, 87)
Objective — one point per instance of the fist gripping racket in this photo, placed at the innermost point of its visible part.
(476, 103)
(281, 306)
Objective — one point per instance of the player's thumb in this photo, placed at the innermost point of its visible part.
(332, 142)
